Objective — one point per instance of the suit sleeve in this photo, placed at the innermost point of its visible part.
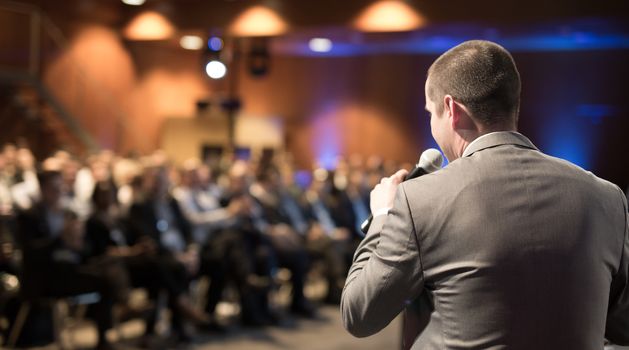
(617, 327)
(385, 273)
(182, 222)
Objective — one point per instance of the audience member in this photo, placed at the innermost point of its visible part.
(268, 230)
(107, 239)
(51, 238)
(224, 254)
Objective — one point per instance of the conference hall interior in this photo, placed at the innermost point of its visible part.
(245, 136)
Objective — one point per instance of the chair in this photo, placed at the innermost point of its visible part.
(31, 279)
(61, 315)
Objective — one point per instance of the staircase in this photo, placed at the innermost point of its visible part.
(30, 113)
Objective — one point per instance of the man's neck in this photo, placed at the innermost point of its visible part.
(467, 137)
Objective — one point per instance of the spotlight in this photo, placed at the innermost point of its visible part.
(320, 44)
(215, 69)
(215, 44)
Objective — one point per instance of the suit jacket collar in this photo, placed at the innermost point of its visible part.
(498, 139)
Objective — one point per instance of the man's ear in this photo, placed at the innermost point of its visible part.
(448, 102)
(459, 116)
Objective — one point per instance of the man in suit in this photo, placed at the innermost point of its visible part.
(53, 264)
(158, 218)
(507, 248)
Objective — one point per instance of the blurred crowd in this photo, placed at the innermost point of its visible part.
(109, 224)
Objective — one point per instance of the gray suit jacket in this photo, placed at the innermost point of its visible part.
(509, 249)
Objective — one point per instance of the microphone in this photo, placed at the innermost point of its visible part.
(429, 162)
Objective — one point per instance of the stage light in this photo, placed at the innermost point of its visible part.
(191, 42)
(389, 16)
(215, 43)
(134, 2)
(320, 44)
(215, 69)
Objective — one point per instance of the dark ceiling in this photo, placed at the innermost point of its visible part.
(206, 15)
(533, 25)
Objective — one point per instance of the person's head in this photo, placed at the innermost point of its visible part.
(10, 153)
(239, 179)
(101, 170)
(472, 89)
(206, 175)
(155, 182)
(25, 159)
(51, 185)
(69, 171)
(321, 182)
(190, 174)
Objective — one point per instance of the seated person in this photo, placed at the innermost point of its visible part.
(285, 245)
(308, 217)
(107, 239)
(224, 254)
(51, 239)
(158, 218)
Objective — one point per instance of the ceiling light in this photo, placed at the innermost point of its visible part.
(134, 2)
(258, 21)
(149, 25)
(389, 16)
(191, 42)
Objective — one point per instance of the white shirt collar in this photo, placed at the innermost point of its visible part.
(479, 138)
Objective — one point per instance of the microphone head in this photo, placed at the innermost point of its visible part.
(430, 160)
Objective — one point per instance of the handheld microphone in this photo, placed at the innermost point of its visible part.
(429, 162)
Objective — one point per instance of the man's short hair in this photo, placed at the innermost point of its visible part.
(482, 76)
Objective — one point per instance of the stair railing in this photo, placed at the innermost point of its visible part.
(41, 28)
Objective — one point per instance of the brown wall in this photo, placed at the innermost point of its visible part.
(120, 91)
(344, 104)
(366, 104)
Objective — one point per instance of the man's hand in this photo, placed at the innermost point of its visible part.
(383, 194)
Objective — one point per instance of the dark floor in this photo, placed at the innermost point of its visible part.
(325, 332)
(322, 333)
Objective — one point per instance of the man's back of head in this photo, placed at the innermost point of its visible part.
(481, 75)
